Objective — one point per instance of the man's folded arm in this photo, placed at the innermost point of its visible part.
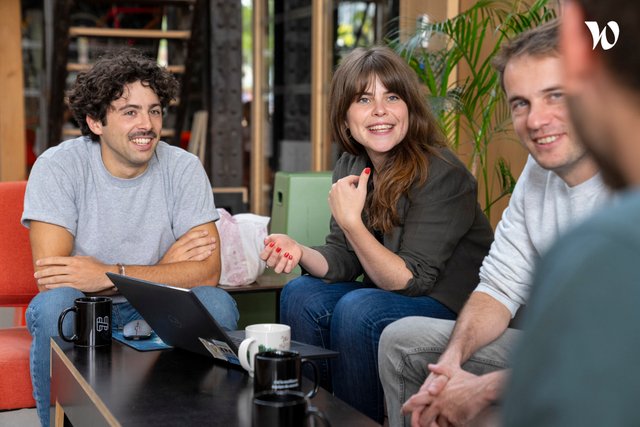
(52, 246)
(48, 240)
(184, 274)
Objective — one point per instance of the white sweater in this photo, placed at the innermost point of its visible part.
(542, 207)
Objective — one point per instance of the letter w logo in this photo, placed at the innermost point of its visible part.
(601, 37)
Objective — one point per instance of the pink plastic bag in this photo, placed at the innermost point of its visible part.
(241, 239)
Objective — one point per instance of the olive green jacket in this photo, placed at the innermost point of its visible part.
(443, 236)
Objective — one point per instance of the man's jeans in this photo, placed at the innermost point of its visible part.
(42, 322)
(349, 318)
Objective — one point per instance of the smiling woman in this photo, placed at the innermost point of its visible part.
(378, 120)
(404, 215)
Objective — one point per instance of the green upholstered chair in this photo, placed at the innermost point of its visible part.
(300, 208)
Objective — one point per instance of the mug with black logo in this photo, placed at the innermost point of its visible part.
(92, 322)
(280, 370)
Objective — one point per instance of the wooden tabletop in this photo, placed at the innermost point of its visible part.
(268, 281)
(118, 385)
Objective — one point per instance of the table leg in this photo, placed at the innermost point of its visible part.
(59, 415)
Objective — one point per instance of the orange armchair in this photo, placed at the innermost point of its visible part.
(17, 288)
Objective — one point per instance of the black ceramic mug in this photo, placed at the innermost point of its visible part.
(92, 322)
(284, 409)
(280, 370)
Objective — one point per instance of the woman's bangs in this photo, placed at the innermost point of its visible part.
(363, 82)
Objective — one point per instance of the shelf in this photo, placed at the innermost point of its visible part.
(129, 33)
(75, 67)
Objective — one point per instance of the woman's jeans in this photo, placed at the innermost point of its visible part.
(349, 318)
(42, 322)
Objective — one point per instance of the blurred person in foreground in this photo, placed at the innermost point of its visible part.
(578, 363)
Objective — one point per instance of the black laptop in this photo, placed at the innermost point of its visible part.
(179, 318)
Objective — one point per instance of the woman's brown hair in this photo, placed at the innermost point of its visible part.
(407, 162)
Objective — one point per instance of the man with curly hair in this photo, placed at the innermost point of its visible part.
(117, 199)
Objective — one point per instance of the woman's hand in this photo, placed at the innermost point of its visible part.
(281, 253)
(347, 197)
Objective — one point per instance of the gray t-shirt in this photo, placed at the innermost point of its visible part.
(129, 221)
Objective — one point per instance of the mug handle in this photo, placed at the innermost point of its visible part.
(61, 319)
(243, 354)
(316, 377)
(312, 411)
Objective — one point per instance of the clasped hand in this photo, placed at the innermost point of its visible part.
(450, 396)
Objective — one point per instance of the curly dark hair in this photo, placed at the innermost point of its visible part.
(95, 90)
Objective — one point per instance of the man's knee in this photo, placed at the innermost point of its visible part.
(220, 304)
(422, 331)
(45, 308)
(388, 340)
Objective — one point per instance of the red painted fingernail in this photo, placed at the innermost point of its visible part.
(286, 254)
(278, 250)
(367, 170)
(271, 244)
(291, 257)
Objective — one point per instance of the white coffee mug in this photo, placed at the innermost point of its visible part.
(262, 337)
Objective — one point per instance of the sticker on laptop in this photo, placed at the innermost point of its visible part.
(220, 350)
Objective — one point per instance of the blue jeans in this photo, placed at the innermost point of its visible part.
(42, 321)
(349, 318)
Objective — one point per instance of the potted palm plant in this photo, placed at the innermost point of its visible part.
(471, 109)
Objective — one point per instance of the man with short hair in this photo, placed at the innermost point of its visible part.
(117, 200)
(464, 362)
(577, 363)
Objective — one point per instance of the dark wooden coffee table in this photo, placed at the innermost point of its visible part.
(120, 386)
